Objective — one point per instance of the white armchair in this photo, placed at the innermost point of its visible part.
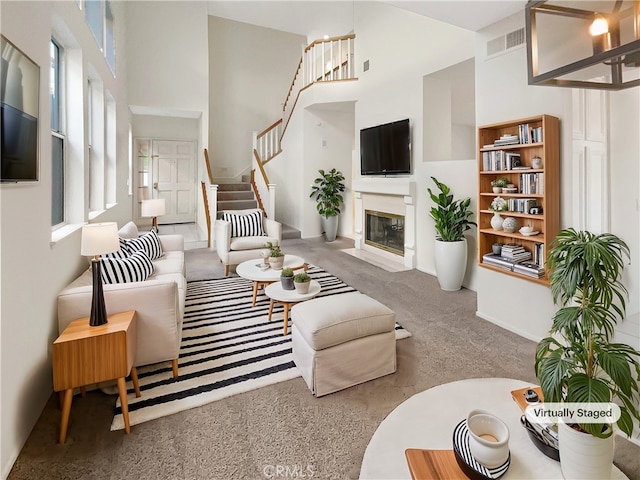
(235, 243)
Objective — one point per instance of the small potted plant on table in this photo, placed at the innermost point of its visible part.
(301, 281)
(276, 257)
(286, 279)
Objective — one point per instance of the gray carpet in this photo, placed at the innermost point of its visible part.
(249, 436)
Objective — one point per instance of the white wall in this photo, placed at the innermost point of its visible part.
(250, 70)
(35, 269)
(402, 48)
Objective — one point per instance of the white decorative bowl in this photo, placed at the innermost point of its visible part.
(488, 438)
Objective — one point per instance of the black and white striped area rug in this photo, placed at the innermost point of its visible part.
(228, 347)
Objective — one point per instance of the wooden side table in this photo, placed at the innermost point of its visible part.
(84, 355)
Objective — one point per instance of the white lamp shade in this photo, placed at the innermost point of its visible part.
(99, 238)
(153, 208)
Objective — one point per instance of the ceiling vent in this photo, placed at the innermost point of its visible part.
(505, 42)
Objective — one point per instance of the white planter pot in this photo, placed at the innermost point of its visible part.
(583, 456)
(330, 227)
(451, 263)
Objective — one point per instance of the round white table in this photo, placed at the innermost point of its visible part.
(427, 420)
(262, 277)
(278, 294)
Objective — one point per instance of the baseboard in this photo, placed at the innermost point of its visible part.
(517, 331)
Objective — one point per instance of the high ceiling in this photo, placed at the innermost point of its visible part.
(315, 18)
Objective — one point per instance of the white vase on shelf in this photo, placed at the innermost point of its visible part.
(496, 221)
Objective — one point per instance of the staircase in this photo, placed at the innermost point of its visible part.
(239, 196)
(236, 196)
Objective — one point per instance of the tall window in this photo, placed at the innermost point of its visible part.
(99, 17)
(57, 139)
(109, 38)
(93, 15)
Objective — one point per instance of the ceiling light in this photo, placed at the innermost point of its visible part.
(571, 45)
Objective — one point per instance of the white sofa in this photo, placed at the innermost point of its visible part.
(158, 302)
(234, 250)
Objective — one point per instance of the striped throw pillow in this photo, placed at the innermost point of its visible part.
(135, 268)
(247, 225)
(148, 243)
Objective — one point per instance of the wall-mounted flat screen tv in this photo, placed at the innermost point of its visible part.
(386, 149)
(19, 91)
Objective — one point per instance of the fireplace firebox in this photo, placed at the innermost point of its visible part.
(384, 231)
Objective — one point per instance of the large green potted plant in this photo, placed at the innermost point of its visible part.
(452, 219)
(327, 191)
(579, 363)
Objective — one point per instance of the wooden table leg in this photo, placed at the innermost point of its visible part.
(134, 380)
(255, 293)
(270, 308)
(122, 390)
(66, 409)
(286, 318)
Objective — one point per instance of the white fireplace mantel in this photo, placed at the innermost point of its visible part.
(401, 188)
(386, 186)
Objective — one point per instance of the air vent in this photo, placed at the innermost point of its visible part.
(505, 42)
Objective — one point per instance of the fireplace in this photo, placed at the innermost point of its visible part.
(384, 231)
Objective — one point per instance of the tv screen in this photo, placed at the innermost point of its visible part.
(19, 145)
(386, 149)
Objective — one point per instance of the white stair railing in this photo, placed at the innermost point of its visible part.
(327, 60)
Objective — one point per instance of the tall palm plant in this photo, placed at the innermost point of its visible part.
(583, 365)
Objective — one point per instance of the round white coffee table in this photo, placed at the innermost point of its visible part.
(427, 421)
(262, 277)
(278, 294)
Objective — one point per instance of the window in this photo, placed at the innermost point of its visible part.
(109, 38)
(93, 15)
(57, 139)
(99, 17)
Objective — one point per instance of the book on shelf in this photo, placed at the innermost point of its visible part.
(529, 268)
(532, 183)
(521, 205)
(500, 160)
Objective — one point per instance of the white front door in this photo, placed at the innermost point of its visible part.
(174, 179)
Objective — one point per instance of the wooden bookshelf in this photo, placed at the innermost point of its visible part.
(539, 185)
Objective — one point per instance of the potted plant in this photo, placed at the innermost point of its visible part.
(579, 363)
(451, 221)
(286, 279)
(499, 183)
(301, 281)
(498, 204)
(276, 257)
(327, 191)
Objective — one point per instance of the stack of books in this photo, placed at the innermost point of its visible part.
(515, 253)
(497, 261)
(506, 139)
(529, 269)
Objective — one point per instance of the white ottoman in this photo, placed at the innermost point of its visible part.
(342, 340)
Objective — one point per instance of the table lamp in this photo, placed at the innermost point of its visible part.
(153, 208)
(97, 239)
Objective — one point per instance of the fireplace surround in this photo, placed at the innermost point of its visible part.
(393, 197)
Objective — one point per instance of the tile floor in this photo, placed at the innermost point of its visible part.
(194, 237)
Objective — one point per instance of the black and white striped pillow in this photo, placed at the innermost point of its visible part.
(149, 243)
(135, 268)
(247, 225)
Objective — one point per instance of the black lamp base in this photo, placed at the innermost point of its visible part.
(98, 309)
